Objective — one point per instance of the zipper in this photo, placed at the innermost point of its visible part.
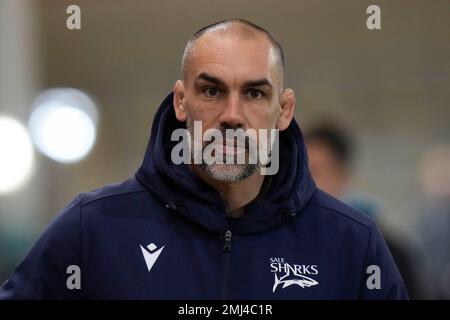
(227, 245)
(228, 235)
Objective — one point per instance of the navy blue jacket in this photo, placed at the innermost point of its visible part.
(163, 234)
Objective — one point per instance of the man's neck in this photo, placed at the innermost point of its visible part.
(235, 195)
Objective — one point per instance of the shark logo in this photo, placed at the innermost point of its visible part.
(151, 254)
(287, 275)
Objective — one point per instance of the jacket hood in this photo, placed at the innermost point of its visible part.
(180, 190)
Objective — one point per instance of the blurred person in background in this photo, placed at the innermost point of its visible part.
(434, 223)
(331, 150)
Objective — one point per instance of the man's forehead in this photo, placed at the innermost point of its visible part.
(232, 43)
(217, 53)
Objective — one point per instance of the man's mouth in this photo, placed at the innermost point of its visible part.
(228, 147)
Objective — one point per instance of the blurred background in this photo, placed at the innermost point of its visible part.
(76, 108)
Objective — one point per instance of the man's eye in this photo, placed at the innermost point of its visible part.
(211, 92)
(255, 94)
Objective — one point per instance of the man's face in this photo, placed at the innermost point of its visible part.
(232, 82)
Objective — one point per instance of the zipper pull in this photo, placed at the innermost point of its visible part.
(228, 236)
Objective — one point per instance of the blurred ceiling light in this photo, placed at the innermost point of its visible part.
(16, 154)
(63, 124)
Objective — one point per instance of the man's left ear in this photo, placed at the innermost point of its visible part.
(287, 103)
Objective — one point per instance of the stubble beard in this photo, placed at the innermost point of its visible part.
(223, 172)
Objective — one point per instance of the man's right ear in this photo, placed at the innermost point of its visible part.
(178, 101)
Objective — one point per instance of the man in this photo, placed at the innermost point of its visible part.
(212, 230)
(330, 153)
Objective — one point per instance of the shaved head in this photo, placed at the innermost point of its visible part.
(240, 28)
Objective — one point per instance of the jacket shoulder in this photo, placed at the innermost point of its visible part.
(341, 211)
(110, 191)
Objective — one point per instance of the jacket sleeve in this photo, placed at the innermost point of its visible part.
(43, 274)
(381, 278)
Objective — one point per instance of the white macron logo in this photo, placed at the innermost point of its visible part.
(151, 254)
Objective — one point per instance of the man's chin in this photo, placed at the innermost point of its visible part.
(229, 172)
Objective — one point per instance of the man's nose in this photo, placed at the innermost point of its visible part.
(232, 115)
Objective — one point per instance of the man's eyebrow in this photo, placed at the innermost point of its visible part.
(258, 83)
(209, 78)
(249, 83)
